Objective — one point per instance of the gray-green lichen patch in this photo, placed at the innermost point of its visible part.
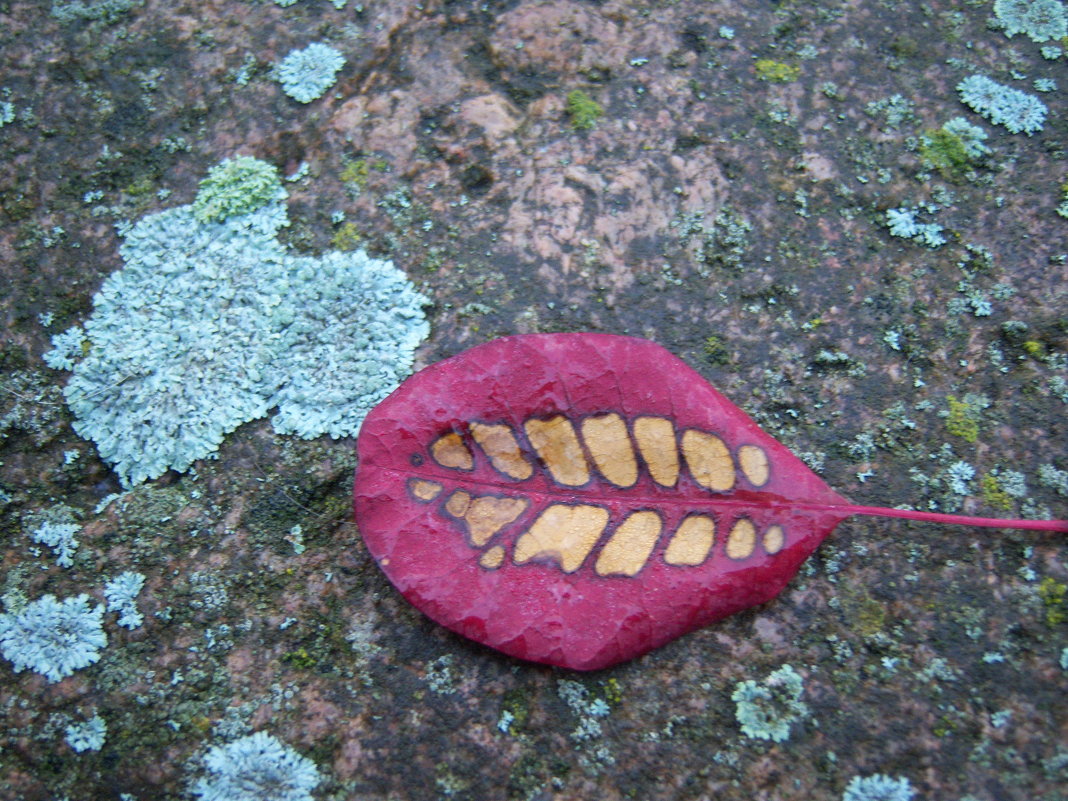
(212, 323)
(766, 710)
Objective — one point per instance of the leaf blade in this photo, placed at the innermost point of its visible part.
(547, 602)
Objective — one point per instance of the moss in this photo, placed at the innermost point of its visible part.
(141, 187)
(335, 509)
(235, 187)
(201, 723)
(716, 351)
(583, 110)
(325, 641)
(1053, 595)
(613, 692)
(946, 152)
(776, 71)
(868, 616)
(532, 774)
(962, 420)
(993, 494)
(356, 172)
(1035, 349)
(945, 726)
(904, 46)
(346, 237)
(300, 659)
(515, 710)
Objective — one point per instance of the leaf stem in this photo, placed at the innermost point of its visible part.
(961, 520)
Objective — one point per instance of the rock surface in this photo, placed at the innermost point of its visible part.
(728, 203)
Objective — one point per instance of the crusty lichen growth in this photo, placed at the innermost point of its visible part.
(766, 711)
(1054, 597)
(237, 186)
(963, 416)
(768, 69)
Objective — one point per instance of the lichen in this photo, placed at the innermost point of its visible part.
(235, 187)
(878, 788)
(959, 476)
(515, 710)
(1017, 111)
(204, 311)
(87, 735)
(30, 404)
(52, 637)
(590, 710)
(1053, 478)
(894, 111)
(766, 710)
(725, 241)
(306, 74)
(1041, 20)
(121, 593)
(963, 416)
(954, 149)
(993, 493)
(440, 676)
(902, 222)
(56, 528)
(92, 10)
(258, 767)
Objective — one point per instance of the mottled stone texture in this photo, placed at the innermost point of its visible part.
(737, 220)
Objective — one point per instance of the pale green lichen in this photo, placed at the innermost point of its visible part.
(768, 69)
(258, 767)
(88, 735)
(53, 637)
(57, 528)
(878, 788)
(1041, 20)
(212, 324)
(1017, 111)
(306, 74)
(237, 186)
(92, 10)
(766, 710)
(1050, 476)
(963, 416)
(591, 711)
(440, 676)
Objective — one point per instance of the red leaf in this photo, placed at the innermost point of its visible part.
(579, 499)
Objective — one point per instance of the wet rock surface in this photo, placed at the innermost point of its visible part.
(719, 185)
